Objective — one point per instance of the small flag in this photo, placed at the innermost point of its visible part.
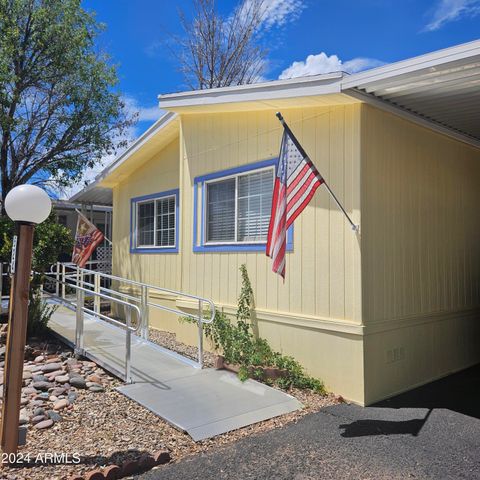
(87, 237)
(296, 181)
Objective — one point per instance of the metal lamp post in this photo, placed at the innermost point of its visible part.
(27, 205)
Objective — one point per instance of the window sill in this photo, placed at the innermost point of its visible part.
(245, 247)
(154, 250)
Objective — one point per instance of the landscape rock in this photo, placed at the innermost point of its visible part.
(27, 375)
(38, 411)
(78, 382)
(45, 424)
(96, 388)
(94, 378)
(41, 385)
(60, 404)
(39, 378)
(51, 367)
(38, 419)
(29, 391)
(54, 416)
(39, 359)
(62, 378)
(72, 396)
(94, 475)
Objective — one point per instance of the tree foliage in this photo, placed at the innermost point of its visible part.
(218, 51)
(49, 242)
(59, 113)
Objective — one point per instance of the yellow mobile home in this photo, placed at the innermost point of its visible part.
(372, 313)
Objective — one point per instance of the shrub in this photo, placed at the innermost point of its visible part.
(239, 345)
(39, 314)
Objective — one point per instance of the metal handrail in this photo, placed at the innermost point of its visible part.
(150, 286)
(60, 269)
(80, 309)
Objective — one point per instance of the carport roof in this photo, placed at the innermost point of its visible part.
(442, 87)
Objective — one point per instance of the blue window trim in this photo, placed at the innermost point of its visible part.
(133, 206)
(199, 183)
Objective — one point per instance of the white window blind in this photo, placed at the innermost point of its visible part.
(165, 225)
(221, 211)
(156, 223)
(238, 208)
(254, 206)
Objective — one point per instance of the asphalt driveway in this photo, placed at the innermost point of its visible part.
(432, 432)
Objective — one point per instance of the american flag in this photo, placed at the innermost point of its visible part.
(87, 238)
(296, 181)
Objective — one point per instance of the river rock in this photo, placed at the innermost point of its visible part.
(96, 388)
(44, 424)
(39, 378)
(56, 417)
(51, 367)
(78, 382)
(38, 411)
(62, 378)
(38, 419)
(39, 359)
(60, 404)
(42, 385)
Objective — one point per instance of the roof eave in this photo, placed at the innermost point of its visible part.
(297, 87)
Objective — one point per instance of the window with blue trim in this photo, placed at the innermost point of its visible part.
(154, 223)
(235, 208)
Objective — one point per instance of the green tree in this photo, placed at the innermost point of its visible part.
(50, 240)
(59, 112)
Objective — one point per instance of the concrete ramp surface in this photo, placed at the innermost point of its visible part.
(201, 402)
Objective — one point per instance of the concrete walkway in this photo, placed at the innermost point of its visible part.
(430, 433)
(201, 402)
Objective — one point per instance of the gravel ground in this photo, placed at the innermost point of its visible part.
(106, 427)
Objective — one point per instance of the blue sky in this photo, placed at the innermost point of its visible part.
(303, 37)
(375, 30)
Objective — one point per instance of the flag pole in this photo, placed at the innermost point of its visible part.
(304, 153)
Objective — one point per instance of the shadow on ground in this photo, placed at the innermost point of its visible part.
(458, 393)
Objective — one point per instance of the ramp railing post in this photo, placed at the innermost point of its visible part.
(63, 281)
(57, 280)
(128, 352)
(96, 288)
(200, 333)
(79, 315)
(145, 312)
(1, 284)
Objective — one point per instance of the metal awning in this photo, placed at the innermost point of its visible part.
(442, 87)
(95, 195)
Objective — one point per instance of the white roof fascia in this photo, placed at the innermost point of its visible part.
(404, 67)
(294, 87)
(413, 117)
(161, 123)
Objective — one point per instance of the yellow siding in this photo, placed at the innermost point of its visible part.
(313, 315)
(420, 255)
(159, 174)
(323, 271)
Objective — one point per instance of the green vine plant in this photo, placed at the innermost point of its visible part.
(239, 346)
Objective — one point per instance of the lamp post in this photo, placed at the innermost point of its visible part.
(27, 205)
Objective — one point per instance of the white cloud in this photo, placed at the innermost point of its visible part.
(275, 13)
(322, 63)
(145, 114)
(450, 10)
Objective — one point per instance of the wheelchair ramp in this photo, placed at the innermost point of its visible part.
(201, 402)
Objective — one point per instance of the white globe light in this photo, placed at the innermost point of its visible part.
(28, 203)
